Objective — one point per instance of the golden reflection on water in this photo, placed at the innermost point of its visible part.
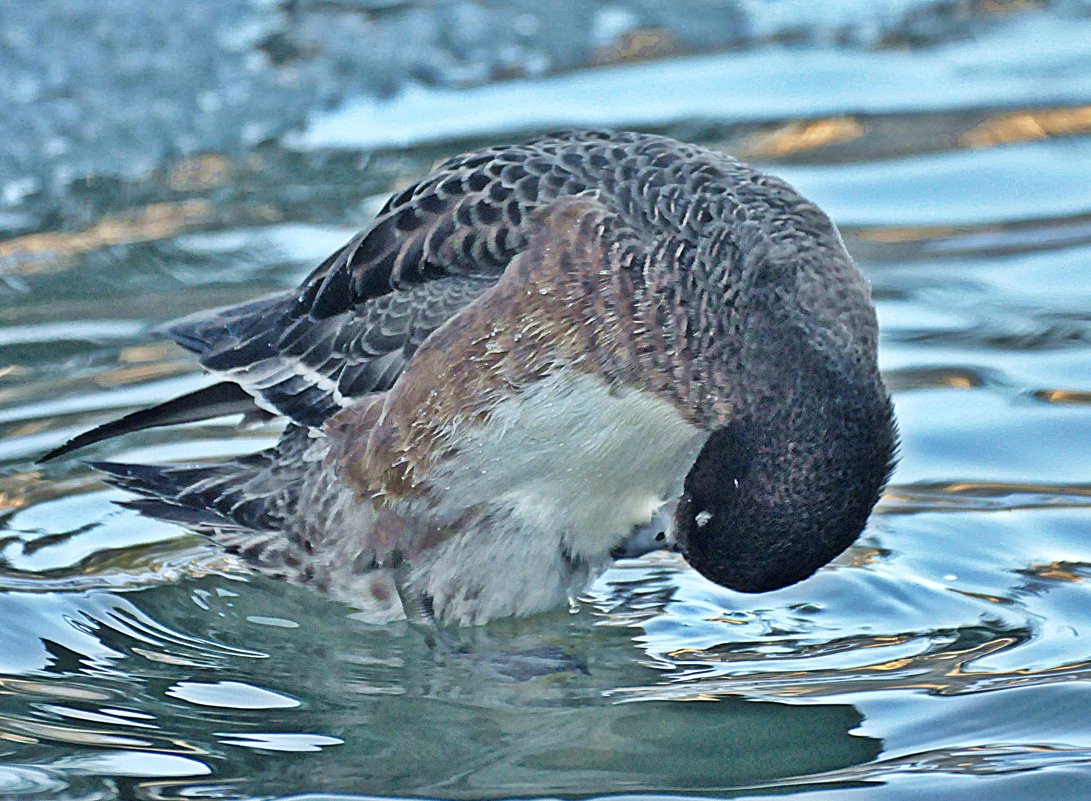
(24, 488)
(901, 135)
(51, 689)
(983, 596)
(140, 373)
(1025, 126)
(41, 252)
(36, 731)
(899, 234)
(934, 378)
(199, 173)
(641, 44)
(944, 672)
(982, 496)
(801, 136)
(1063, 396)
(1057, 571)
(1010, 6)
(134, 354)
(862, 556)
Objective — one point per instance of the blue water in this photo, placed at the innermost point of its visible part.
(946, 655)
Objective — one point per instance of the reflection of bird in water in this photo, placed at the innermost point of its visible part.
(519, 362)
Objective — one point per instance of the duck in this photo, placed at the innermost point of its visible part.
(536, 358)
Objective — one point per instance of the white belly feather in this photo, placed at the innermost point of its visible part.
(566, 469)
(572, 456)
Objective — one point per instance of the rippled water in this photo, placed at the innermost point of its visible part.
(946, 655)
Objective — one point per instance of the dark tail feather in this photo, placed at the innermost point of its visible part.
(208, 330)
(244, 504)
(214, 401)
(203, 521)
(206, 497)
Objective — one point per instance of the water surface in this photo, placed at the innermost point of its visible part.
(945, 655)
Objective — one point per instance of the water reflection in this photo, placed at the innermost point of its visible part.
(387, 717)
(944, 655)
(1021, 126)
(228, 689)
(35, 253)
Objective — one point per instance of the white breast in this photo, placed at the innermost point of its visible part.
(563, 472)
(572, 455)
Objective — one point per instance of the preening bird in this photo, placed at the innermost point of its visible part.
(524, 358)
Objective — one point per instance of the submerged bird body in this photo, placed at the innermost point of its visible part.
(526, 355)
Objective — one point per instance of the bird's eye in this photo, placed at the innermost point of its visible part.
(702, 519)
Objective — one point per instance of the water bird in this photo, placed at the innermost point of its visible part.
(525, 359)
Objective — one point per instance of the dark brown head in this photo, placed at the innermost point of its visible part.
(776, 494)
(788, 477)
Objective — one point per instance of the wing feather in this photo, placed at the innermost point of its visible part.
(355, 322)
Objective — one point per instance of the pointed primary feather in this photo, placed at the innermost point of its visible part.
(215, 401)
